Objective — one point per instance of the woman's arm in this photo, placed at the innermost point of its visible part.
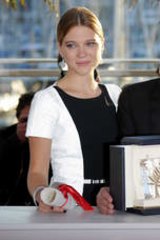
(39, 162)
(40, 149)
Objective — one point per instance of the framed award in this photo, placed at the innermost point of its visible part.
(135, 177)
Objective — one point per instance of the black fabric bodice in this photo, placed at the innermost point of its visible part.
(96, 122)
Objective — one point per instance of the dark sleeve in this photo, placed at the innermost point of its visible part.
(8, 164)
(4, 191)
(125, 113)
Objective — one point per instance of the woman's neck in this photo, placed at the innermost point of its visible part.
(81, 86)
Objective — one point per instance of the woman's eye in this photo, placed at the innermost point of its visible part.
(91, 44)
(70, 45)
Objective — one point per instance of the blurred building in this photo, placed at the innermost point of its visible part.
(132, 30)
(31, 31)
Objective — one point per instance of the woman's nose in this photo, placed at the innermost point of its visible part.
(81, 51)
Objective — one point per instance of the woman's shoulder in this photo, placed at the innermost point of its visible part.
(45, 91)
(46, 94)
(113, 91)
(113, 88)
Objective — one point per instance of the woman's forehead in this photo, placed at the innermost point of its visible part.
(78, 33)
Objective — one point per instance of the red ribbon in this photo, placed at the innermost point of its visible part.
(65, 189)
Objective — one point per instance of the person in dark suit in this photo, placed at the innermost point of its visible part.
(14, 158)
(138, 114)
(139, 109)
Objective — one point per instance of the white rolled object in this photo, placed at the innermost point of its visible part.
(53, 197)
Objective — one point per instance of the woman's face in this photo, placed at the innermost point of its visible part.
(22, 123)
(81, 49)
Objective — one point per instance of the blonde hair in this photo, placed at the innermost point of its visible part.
(78, 16)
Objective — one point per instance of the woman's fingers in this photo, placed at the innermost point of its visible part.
(48, 209)
(105, 201)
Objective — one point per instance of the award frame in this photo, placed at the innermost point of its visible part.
(135, 178)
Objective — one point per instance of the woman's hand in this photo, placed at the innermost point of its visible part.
(47, 209)
(105, 201)
(42, 207)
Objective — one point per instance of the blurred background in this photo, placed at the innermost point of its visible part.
(28, 48)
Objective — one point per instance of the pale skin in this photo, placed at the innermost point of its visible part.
(81, 49)
(105, 201)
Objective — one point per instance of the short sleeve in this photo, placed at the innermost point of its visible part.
(43, 115)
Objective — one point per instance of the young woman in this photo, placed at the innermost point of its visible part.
(73, 122)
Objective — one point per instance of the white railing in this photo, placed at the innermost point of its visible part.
(109, 67)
